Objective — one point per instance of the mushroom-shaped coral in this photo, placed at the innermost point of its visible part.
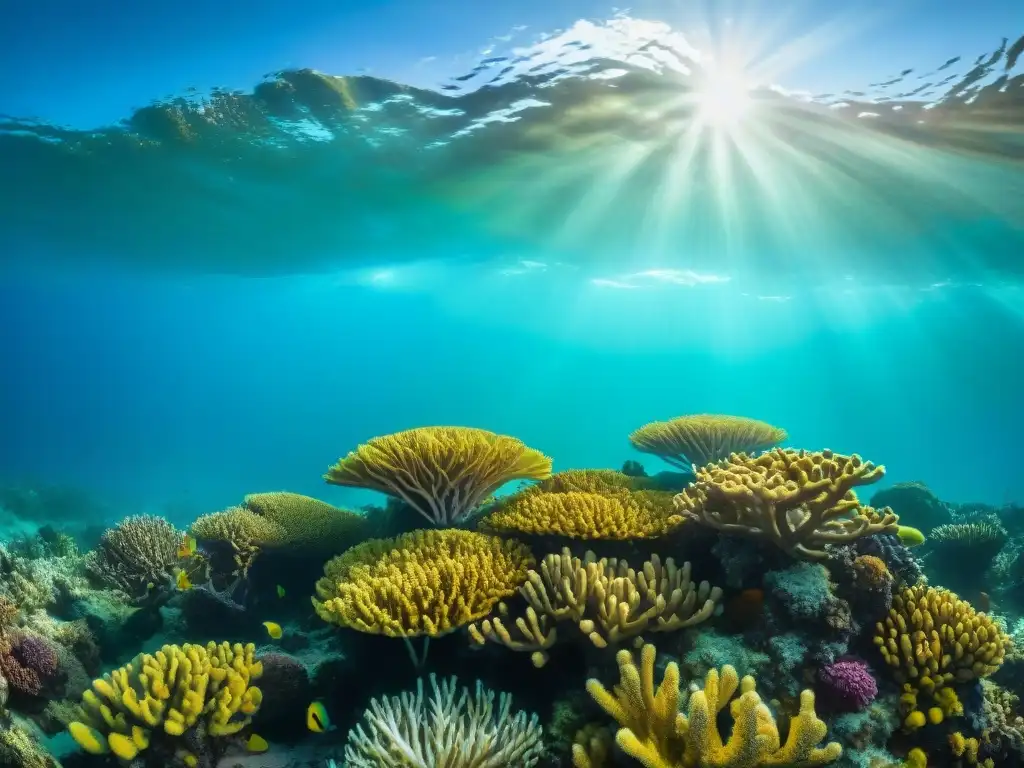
(444, 473)
(932, 638)
(137, 552)
(655, 733)
(699, 439)
(606, 599)
(309, 524)
(798, 500)
(190, 691)
(453, 728)
(423, 583)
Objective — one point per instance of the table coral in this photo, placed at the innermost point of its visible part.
(423, 583)
(170, 694)
(444, 473)
(654, 732)
(699, 439)
(798, 500)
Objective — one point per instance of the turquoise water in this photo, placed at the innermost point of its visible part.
(576, 234)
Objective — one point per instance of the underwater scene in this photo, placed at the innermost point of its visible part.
(425, 384)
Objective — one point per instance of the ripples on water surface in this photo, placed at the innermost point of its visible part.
(611, 144)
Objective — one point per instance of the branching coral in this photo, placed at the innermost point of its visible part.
(137, 552)
(932, 638)
(606, 599)
(799, 501)
(190, 691)
(699, 439)
(424, 583)
(453, 728)
(444, 473)
(244, 530)
(309, 524)
(654, 732)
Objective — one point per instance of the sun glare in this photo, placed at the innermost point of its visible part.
(724, 100)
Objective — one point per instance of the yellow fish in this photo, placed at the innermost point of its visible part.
(187, 548)
(273, 629)
(257, 743)
(317, 719)
(184, 582)
(280, 591)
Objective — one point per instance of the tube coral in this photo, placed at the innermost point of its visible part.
(444, 473)
(699, 439)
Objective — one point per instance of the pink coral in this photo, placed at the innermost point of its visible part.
(847, 685)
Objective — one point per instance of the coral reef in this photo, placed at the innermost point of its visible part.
(137, 556)
(308, 524)
(700, 439)
(847, 685)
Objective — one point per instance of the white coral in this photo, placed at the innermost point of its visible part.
(453, 728)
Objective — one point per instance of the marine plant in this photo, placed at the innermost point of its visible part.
(797, 500)
(444, 473)
(699, 439)
(137, 556)
(174, 701)
(606, 599)
(425, 583)
(654, 732)
(453, 728)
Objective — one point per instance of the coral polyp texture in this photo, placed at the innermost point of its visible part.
(454, 728)
(444, 473)
(932, 638)
(423, 583)
(135, 553)
(606, 599)
(654, 732)
(245, 531)
(187, 693)
(308, 524)
(798, 500)
(696, 440)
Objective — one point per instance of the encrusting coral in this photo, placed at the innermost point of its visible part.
(654, 732)
(608, 601)
(421, 584)
(699, 439)
(453, 728)
(444, 473)
(136, 555)
(174, 692)
(800, 501)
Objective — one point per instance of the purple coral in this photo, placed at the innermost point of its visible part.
(29, 663)
(846, 685)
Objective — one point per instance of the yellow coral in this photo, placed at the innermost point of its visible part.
(421, 583)
(932, 638)
(308, 523)
(171, 691)
(246, 532)
(655, 733)
(608, 600)
(592, 747)
(581, 515)
(444, 473)
(799, 501)
(698, 439)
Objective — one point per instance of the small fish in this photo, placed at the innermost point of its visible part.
(257, 743)
(184, 582)
(187, 548)
(273, 629)
(280, 591)
(151, 585)
(317, 719)
(911, 537)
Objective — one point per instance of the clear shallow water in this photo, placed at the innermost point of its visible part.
(616, 148)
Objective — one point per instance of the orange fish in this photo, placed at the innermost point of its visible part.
(187, 548)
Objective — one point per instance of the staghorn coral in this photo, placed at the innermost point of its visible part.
(606, 599)
(797, 500)
(444, 473)
(245, 531)
(190, 691)
(423, 583)
(654, 732)
(137, 552)
(308, 524)
(933, 638)
(582, 515)
(693, 441)
(453, 728)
